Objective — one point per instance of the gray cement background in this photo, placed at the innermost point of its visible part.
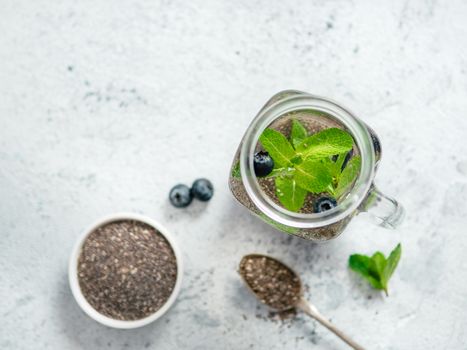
(104, 105)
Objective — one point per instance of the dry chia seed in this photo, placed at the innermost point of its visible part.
(126, 270)
(273, 283)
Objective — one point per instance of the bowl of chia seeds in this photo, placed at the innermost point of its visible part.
(125, 271)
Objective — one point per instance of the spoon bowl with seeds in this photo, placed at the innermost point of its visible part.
(279, 287)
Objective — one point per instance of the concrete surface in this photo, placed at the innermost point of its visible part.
(105, 105)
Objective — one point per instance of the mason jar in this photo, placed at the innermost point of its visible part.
(315, 226)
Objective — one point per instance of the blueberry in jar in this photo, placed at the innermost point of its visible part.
(263, 164)
(323, 204)
(376, 143)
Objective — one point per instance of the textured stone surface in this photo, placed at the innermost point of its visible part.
(105, 105)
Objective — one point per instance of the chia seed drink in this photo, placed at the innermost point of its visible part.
(260, 196)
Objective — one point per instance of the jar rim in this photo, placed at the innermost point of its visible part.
(295, 102)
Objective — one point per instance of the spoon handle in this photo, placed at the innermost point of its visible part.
(312, 311)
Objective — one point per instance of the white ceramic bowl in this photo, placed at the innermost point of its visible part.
(73, 273)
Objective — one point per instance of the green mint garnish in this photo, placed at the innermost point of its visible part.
(296, 160)
(348, 175)
(325, 144)
(298, 133)
(313, 176)
(281, 172)
(337, 165)
(289, 193)
(304, 163)
(376, 269)
(236, 171)
(278, 147)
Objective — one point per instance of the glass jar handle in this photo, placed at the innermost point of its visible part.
(386, 211)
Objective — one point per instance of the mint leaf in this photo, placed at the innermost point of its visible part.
(281, 172)
(339, 162)
(333, 169)
(298, 134)
(278, 147)
(377, 270)
(312, 176)
(289, 193)
(362, 264)
(325, 143)
(277, 225)
(377, 265)
(348, 175)
(392, 262)
(236, 171)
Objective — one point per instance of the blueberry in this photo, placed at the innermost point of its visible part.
(324, 203)
(180, 196)
(202, 189)
(263, 164)
(376, 143)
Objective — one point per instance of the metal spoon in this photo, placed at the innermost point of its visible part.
(297, 301)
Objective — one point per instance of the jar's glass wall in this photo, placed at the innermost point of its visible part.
(239, 191)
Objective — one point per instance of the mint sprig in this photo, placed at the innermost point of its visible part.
(304, 163)
(377, 270)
